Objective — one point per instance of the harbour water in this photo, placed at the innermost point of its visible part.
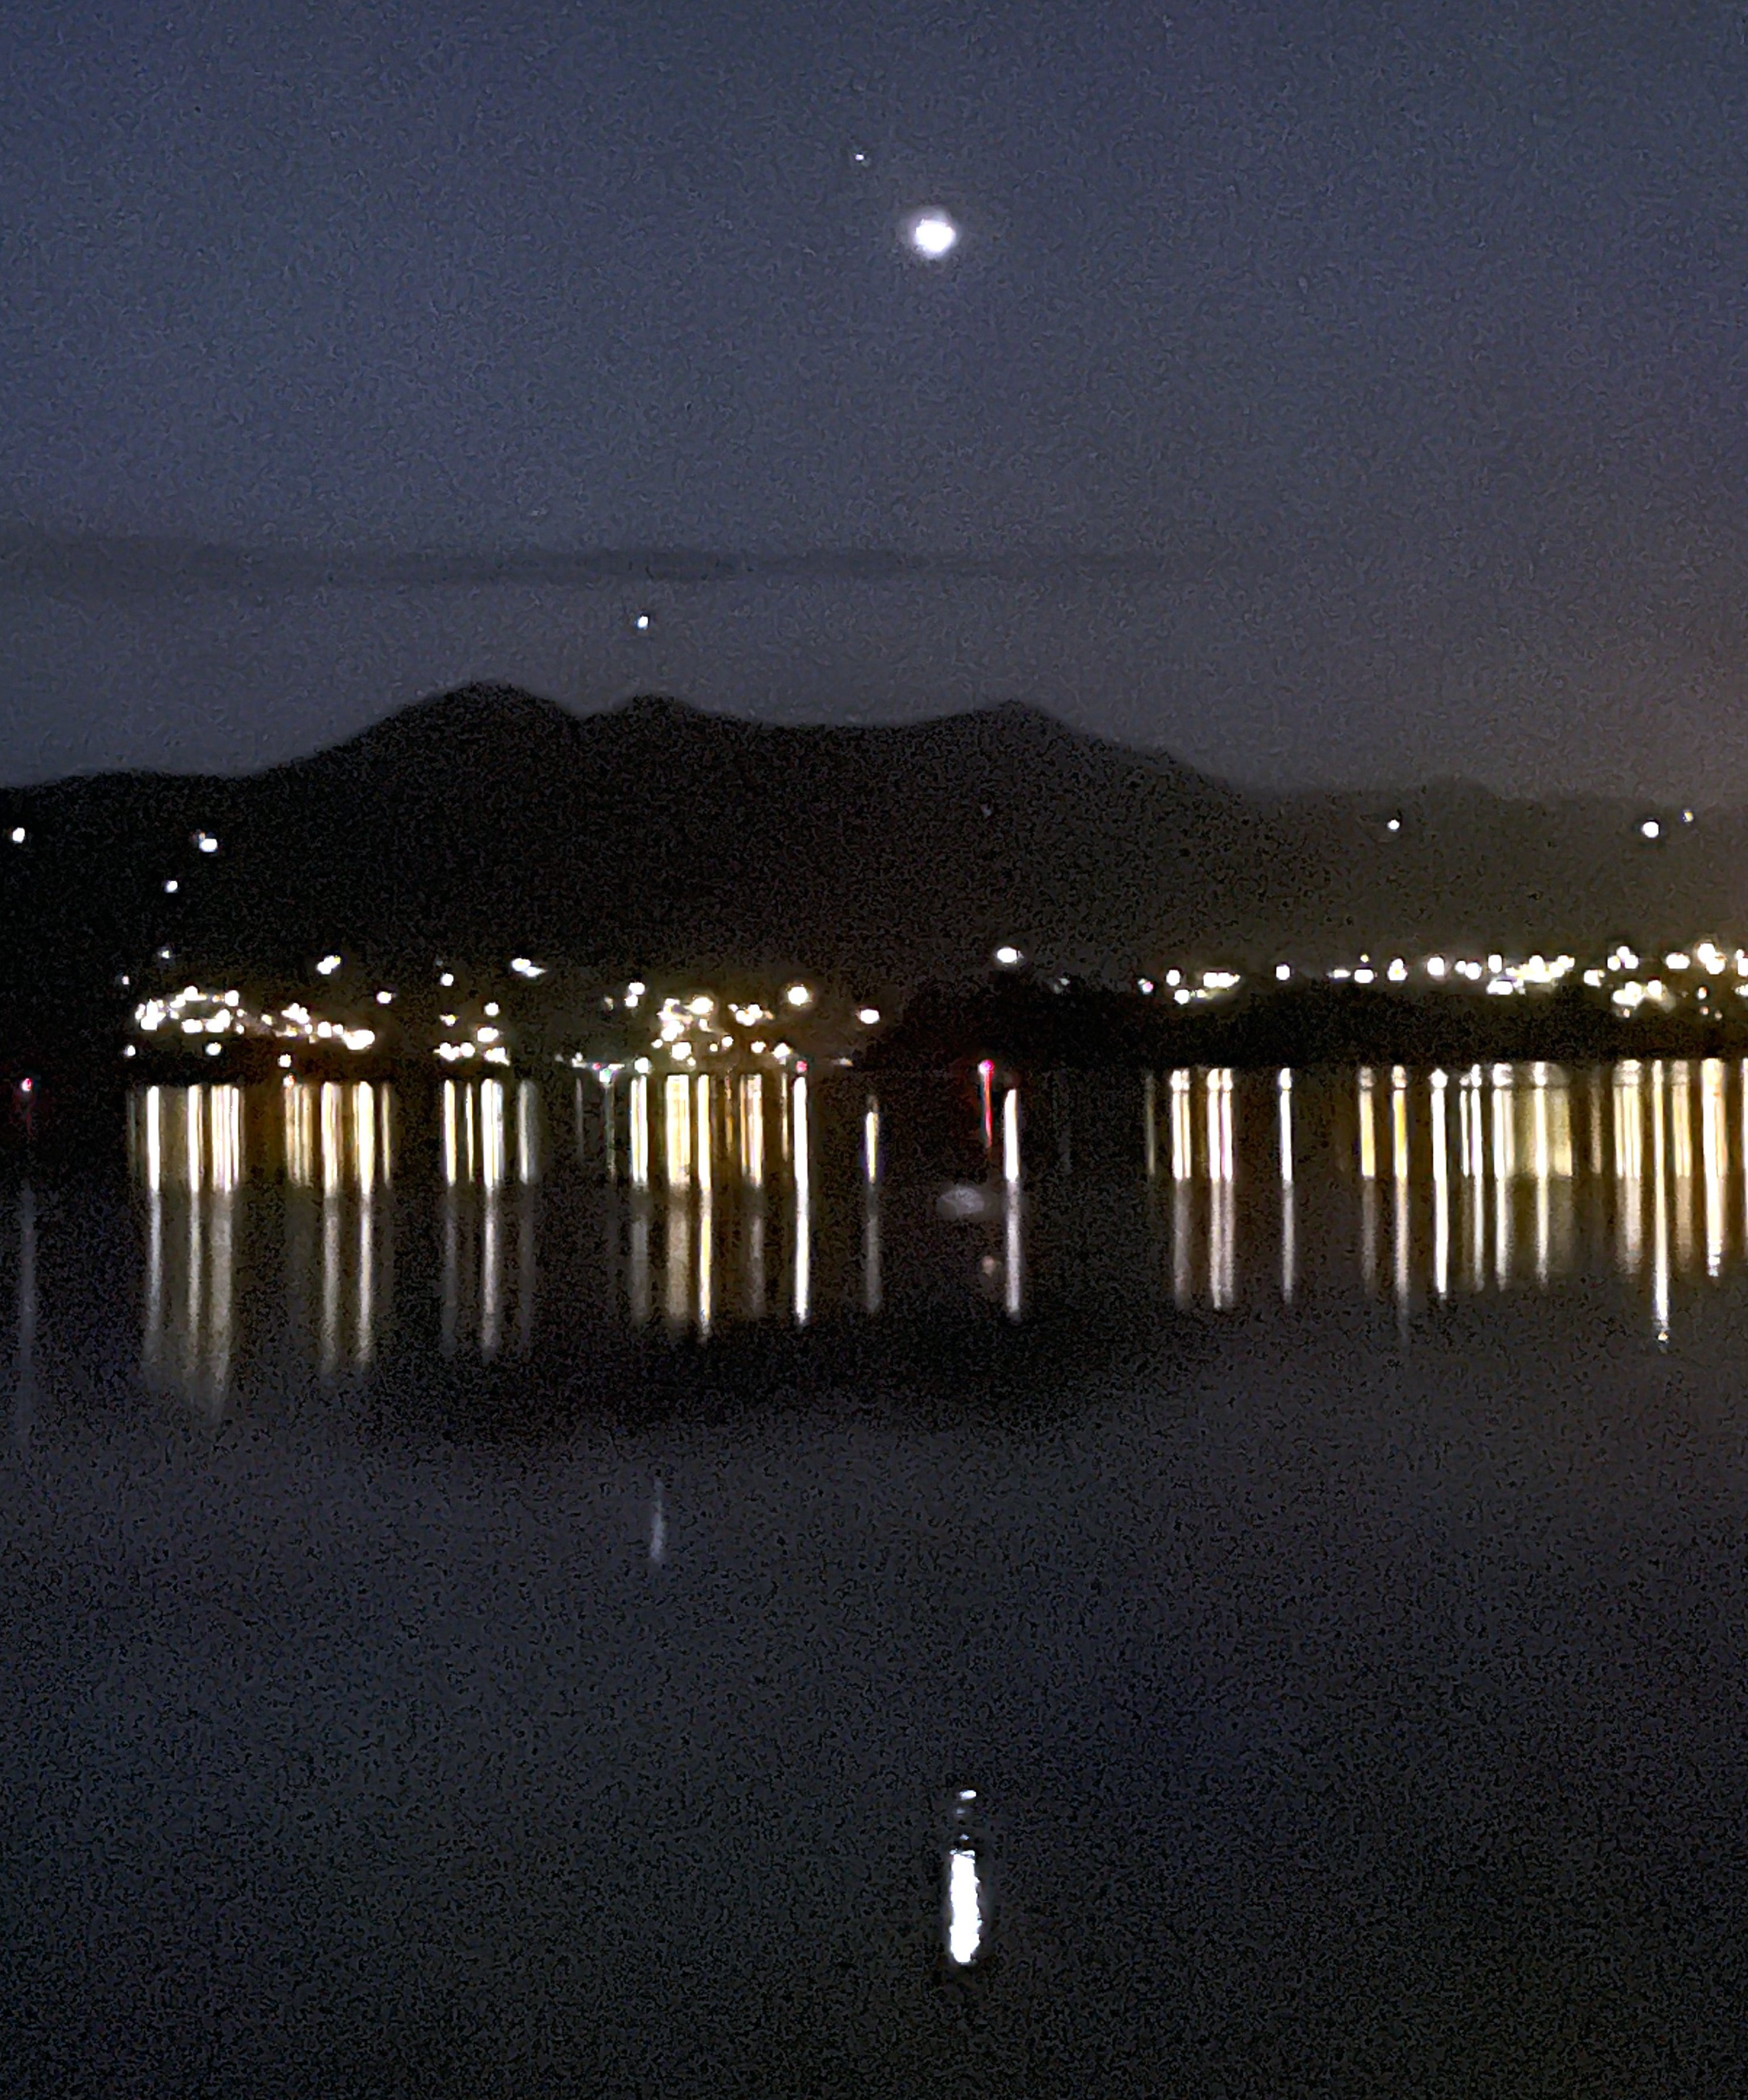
(1197, 1582)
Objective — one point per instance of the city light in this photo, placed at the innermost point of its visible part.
(18, 835)
(205, 842)
(327, 966)
(933, 235)
(868, 1015)
(524, 968)
(1007, 956)
(1651, 829)
(798, 994)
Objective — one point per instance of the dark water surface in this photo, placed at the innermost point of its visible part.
(490, 1610)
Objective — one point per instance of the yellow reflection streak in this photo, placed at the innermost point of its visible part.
(333, 1139)
(193, 1148)
(1368, 1139)
(701, 1092)
(452, 1135)
(1441, 1192)
(752, 1130)
(677, 1131)
(1681, 1156)
(1541, 1158)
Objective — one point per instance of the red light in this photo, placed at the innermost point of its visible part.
(24, 1086)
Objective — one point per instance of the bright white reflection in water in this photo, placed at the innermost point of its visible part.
(965, 1924)
(1013, 1279)
(802, 1173)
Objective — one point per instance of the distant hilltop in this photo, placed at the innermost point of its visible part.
(487, 822)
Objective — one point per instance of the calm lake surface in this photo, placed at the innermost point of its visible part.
(555, 1589)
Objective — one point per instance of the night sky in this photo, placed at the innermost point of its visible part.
(1322, 393)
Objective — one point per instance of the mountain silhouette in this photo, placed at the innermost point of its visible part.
(487, 822)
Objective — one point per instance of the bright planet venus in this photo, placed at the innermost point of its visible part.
(933, 235)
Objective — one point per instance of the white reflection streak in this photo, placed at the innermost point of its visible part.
(526, 1163)
(364, 1135)
(677, 1131)
(1221, 1221)
(1629, 1164)
(452, 1158)
(1289, 1223)
(1441, 1192)
(871, 1287)
(804, 1200)
(1149, 1141)
(1180, 1278)
(154, 1134)
(1399, 1174)
(965, 1929)
(1539, 1146)
(639, 1131)
(1505, 1167)
(701, 1092)
(1660, 1208)
(1182, 1130)
(707, 1251)
(491, 1133)
(1715, 1151)
(657, 1527)
(154, 1340)
(1011, 1268)
(1475, 1179)
(193, 1148)
(334, 1139)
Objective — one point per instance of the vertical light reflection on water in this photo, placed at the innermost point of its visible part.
(1182, 1130)
(1441, 1190)
(1368, 1187)
(329, 1328)
(678, 1266)
(490, 1271)
(1400, 1246)
(706, 1187)
(801, 1156)
(1742, 1078)
(640, 1131)
(752, 1130)
(1715, 1149)
(1542, 1165)
(871, 1286)
(1012, 1277)
(527, 1135)
(1221, 1193)
(1660, 1208)
(677, 1131)
(1504, 1170)
(1289, 1222)
(637, 1279)
(452, 1142)
(1150, 1148)
(492, 1154)
(1629, 1165)
(1681, 1157)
